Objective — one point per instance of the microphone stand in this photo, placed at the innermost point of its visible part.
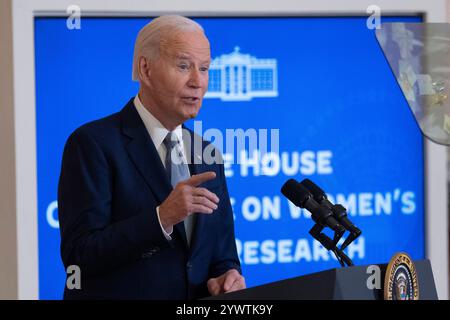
(330, 245)
(340, 214)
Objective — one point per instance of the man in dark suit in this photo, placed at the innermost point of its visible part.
(141, 213)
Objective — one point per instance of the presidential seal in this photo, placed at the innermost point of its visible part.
(400, 282)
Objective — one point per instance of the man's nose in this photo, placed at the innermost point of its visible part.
(195, 79)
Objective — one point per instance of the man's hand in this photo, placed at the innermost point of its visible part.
(228, 282)
(186, 198)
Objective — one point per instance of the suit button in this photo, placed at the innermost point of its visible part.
(189, 265)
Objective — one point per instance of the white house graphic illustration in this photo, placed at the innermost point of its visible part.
(241, 77)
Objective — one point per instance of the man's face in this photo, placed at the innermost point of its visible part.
(179, 76)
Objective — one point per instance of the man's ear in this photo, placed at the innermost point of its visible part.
(144, 70)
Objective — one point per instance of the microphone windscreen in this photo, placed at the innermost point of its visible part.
(295, 192)
(313, 188)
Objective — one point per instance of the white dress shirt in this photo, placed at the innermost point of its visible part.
(158, 133)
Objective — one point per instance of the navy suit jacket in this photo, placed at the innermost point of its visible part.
(112, 179)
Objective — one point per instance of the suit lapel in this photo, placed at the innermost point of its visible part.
(144, 155)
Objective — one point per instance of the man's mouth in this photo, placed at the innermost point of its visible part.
(190, 100)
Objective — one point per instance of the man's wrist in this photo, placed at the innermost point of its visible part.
(166, 231)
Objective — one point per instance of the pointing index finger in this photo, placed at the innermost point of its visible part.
(198, 179)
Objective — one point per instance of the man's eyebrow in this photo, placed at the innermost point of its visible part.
(183, 56)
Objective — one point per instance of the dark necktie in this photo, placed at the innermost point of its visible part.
(177, 170)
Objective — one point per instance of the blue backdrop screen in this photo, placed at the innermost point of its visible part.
(320, 86)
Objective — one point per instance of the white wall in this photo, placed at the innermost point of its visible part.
(8, 241)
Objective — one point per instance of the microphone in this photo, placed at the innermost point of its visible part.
(301, 197)
(339, 212)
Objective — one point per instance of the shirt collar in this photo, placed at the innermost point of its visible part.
(154, 127)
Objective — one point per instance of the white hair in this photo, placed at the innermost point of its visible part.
(149, 37)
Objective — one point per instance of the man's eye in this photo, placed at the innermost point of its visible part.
(183, 66)
(204, 69)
